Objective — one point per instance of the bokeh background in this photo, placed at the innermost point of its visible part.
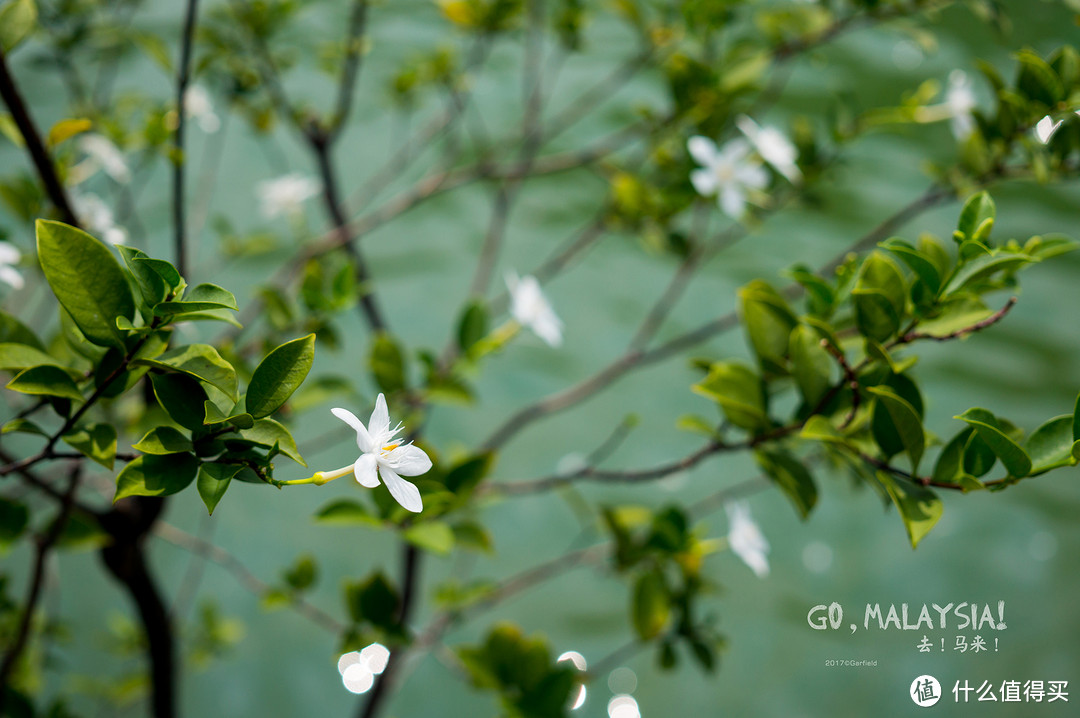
(1019, 546)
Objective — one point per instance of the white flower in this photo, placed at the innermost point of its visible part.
(1046, 127)
(960, 101)
(197, 106)
(728, 172)
(530, 308)
(746, 539)
(284, 195)
(9, 257)
(380, 450)
(98, 218)
(102, 154)
(773, 146)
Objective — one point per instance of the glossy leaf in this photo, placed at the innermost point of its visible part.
(213, 481)
(919, 507)
(768, 322)
(387, 364)
(906, 421)
(434, 536)
(203, 297)
(96, 441)
(924, 267)
(811, 364)
(163, 440)
(156, 475)
(1015, 459)
(983, 267)
(23, 356)
(278, 376)
(199, 361)
(182, 398)
(46, 381)
(977, 209)
(87, 280)
(1050, 446)
(792, 477)
(213, 415)
(269, 433)
(739, 391)
(473, 326)
(18, 18)
(650, 606)
(346, 511)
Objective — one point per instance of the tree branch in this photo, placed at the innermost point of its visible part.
(179, 160)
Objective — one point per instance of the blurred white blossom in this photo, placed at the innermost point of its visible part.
(285, 195)
(1046, 127)
(531, 309)
(960, 101)
(197, 106)
(729, 172)
(9, 258)
(746, 539)
(98, 218)
(773, 146)
(101, 154)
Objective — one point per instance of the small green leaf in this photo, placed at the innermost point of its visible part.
(924, 267)
(768, 322)
(811, 364)
(1015, 459)
(14, 518)
(18, 18)
(238, 418)
(740, 393)
(1050, 446)
(269, 433)
(302, 574)
(473, 326)
(346, 511)
(213, 481)
(204, 297)
(792, 477)
(978, 208)
(819, 428)
(387, 364)
(650, 606)
(151, 285)
(1076, 419)
(879, 296)
(22, 356)
(12, 331)
(96, 441)
(906, 421)
(434, 536)
(1037, 80)
(471, 535)
(199, 361)
(469, 472)
(181, 397)
(163, 440)
(950, 462)
(24, 426)
(87, 280)
(278, 375)
(983, 266)
(979, 458)
(47, 381)
(156, 475)
(374, 600)
(919, 507)
(168, 273)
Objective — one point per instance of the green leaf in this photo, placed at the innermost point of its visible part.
(1050, 446)
(470, 534)
(14, 518)
(181, 397)
(879, 297)
(819, 428)
(47, 381)
(374, 600)
(168, 273)
(96, 441)
(387, 364)
(1015, 459)
(12, 331)
(87, 280)
(919, 507)
(278, 375)
(650, 607)
(978, 208)
(768, 323)
(267, 432)
(151, 285)
(925, 268)
(906, 421)
(199, 361)
(792, 477)
(163, 440)
(1049, 245)
(469, 472)
(204, 297)
(302, 574)
(983, 266)
(473, 326)
(979, 458)
(1037, 80)
(740, 393)
(213, 481)
(811, 364)
(346, 511)
(434, 536)
(238, 418)
(156, 475)
(950, 462)
(18, 18)
(23, 356)
(24, 426)
(1076, 419)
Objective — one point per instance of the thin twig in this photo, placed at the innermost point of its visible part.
(179, 161)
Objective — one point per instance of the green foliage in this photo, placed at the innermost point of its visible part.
(278, 376)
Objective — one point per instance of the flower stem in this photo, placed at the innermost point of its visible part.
(320, 477)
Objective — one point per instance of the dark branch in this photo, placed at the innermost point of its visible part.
(179, 160)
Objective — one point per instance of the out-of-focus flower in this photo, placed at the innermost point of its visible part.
(746, 539)
(729, 172)
(1046, 127)
(531, 309)
(285, 195)
(9, 258)
(96, 216)
(773, 146)
(382, 455)
(102, 154)
(197, 106)
(960, 101)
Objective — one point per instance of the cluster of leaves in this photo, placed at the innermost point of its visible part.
(858, 398)
(116, 322)
(663, 557)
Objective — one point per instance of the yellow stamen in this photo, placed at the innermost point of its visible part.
(390, 447)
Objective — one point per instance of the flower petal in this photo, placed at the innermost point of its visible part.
(732, 200)
(363, 438)
(407, 460)
(379, 423)
(364, 471)
(702, 149)
(403, 492)
(704, 182)
(10, 275)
